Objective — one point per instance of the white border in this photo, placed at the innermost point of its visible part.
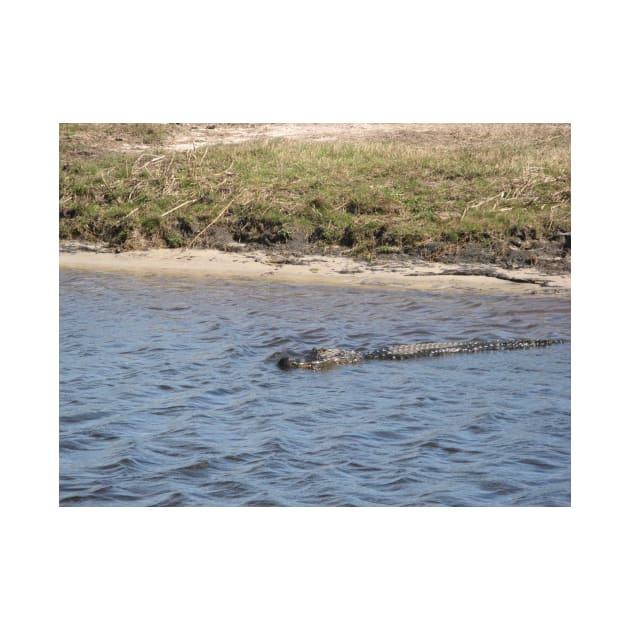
(329, 62)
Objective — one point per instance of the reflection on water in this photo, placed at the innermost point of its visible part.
(169, 395)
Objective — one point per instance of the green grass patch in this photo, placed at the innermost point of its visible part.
(375, 197)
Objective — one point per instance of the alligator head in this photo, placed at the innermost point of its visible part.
(321, 359)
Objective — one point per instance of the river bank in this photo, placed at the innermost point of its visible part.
(477, 194)
(396, 272)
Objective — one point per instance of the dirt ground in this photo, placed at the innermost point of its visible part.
(188, 136)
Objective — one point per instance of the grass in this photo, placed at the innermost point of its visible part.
(372, 197)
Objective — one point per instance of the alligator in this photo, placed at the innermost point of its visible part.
(324, 358)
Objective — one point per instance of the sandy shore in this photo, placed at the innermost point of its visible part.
(331, 270)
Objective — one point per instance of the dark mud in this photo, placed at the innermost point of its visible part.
(522, 251)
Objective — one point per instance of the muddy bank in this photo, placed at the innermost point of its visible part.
(523, 249)
(282, 266)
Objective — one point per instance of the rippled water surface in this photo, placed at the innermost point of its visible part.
(170, 395)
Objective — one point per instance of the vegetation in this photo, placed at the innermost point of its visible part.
(372, 197)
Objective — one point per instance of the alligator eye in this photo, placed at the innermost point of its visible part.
(284, 363)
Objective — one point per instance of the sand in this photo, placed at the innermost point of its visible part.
(274, 266)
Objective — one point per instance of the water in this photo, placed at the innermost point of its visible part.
(169, 395)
